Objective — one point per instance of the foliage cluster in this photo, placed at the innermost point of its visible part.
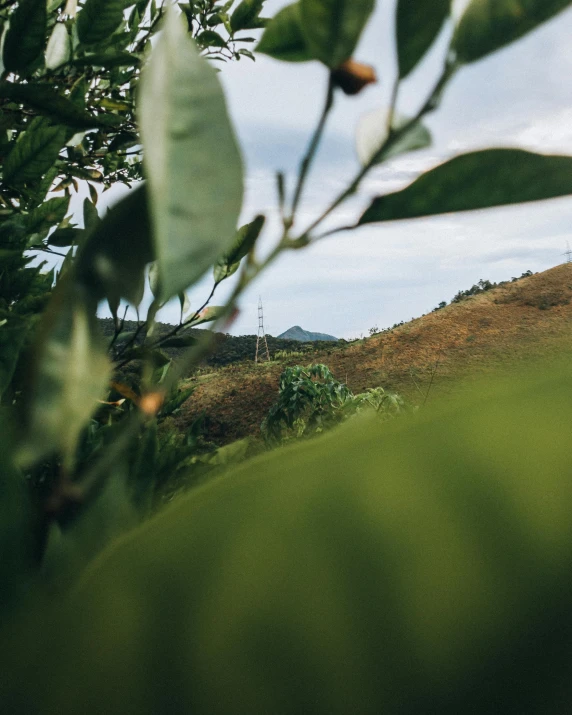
(311, 400)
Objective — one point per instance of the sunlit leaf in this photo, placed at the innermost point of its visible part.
(418, 24)
(24, 41)
(193, 164)
(58, 49)
(70, 374)
(35, 151)
(372, 133)
(332, 28)
(494, 177)
(283, 38)
(488, 25)
(207, 315)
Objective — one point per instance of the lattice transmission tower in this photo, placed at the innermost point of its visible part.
(261, 344)
(568, 253)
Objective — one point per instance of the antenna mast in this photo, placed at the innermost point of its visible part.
(568, 253)
(261, 337)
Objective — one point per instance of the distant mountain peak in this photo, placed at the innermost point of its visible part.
(305, 336)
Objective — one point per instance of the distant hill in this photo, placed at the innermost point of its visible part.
(425, 360)
(305, 336)
(228, 348)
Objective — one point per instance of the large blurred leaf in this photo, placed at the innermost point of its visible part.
(283, 38)
(24, 41)
(13, 334)
(108, 514)
(488, 25)
(98, 19)
(44, 99)
(246, 237)
(34, 152)
(372, 133)
(494, 177)
(112, 261)
(70, 374)
(419, 567)
(17, 548)
(193, 164)
(332, 28)
(418, 24)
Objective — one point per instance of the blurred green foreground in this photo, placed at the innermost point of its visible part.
(422, 566)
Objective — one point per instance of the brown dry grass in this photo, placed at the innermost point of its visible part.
(446, 350)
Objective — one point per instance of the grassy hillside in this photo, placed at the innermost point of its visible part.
(427, 359)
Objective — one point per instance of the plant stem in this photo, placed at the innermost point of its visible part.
(393, 137)
(312, 148)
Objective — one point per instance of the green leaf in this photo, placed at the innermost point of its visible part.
(245, 15)
(283, 38)
(180, 398)
(332, 28)
(372, 133)
(488, 25)
(13, 334)
(193, 163)
(24, 41)
(35, 151)
(209, 314)
(98, 20)
(49, 213)
(63, 237)
(442, 587)
(107, 514)
(59, 47)
(18, 561)
(244, 242)
(108, 60)
(111, 263)
(91, 218)
(418, 24)
(494, 177)
(180, 341)
(56, 106)
(210, 38)
(70, 373)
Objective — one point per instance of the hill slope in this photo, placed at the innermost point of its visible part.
(428, 358)
(305, 336)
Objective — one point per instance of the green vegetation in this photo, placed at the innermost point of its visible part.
(311, 400)
(384, 567)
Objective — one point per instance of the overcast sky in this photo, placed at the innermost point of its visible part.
(520, 96)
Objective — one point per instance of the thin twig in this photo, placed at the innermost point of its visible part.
(394, 136)
(312, 148)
